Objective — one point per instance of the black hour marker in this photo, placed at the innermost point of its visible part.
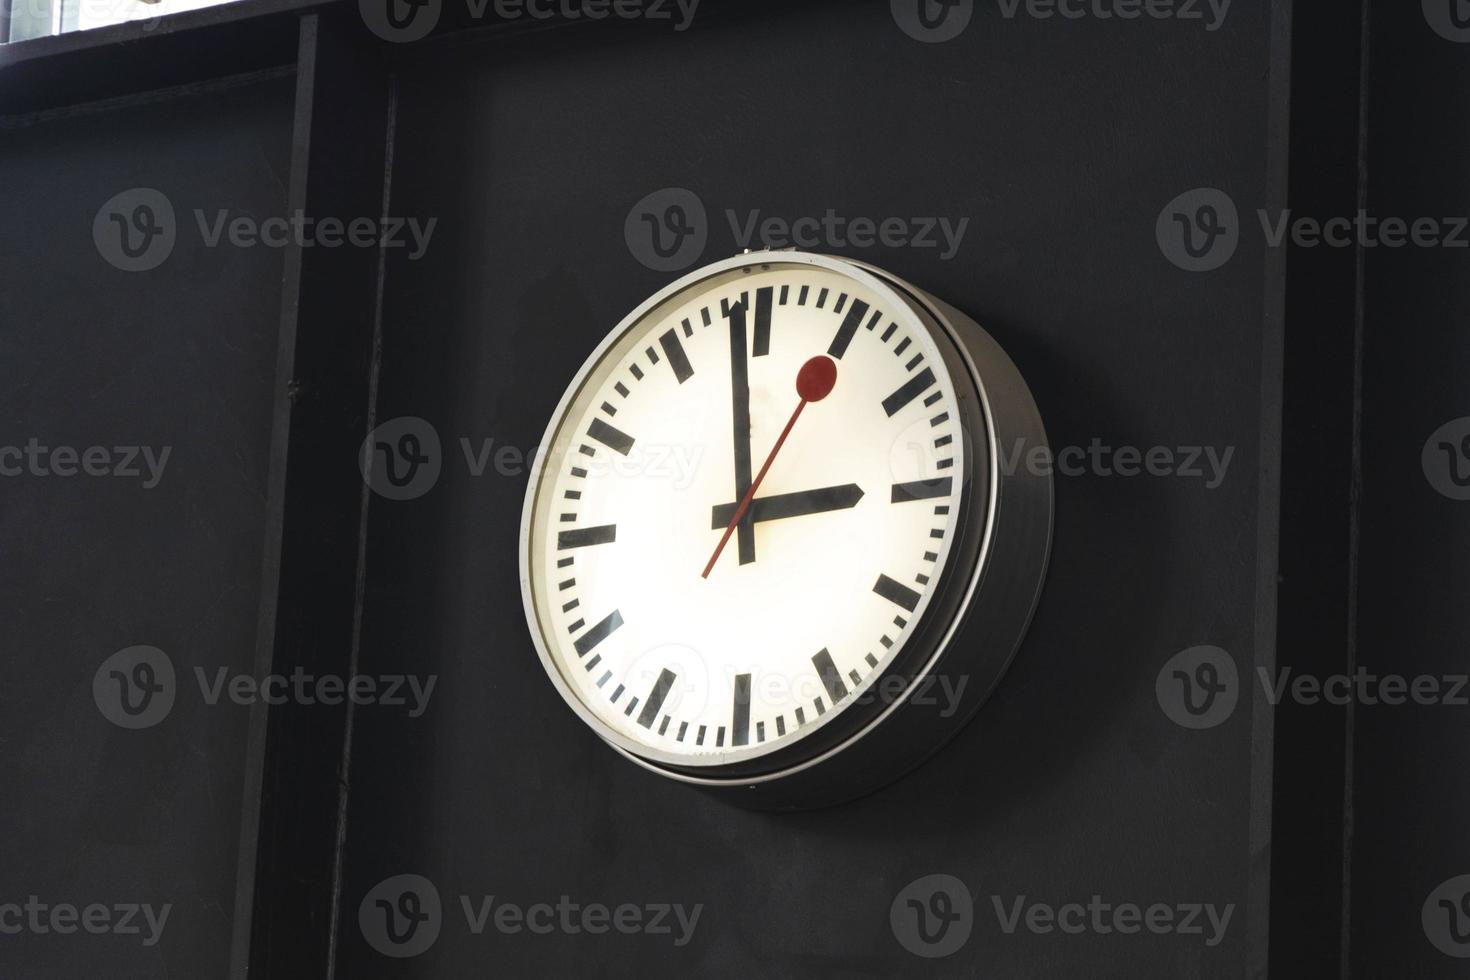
(831, 679)
(922, 490)
(896, 592)
(912, 388)
(661, 688)
(586, 537)
(761, 344)
(678, 360)
(599, 633)
(850, 324)
(740, 721)
(614, 439)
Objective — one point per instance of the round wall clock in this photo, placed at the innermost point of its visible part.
(768, 547)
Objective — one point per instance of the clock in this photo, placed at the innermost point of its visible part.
(769, 547)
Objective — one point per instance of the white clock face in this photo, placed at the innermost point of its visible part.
(815, 590)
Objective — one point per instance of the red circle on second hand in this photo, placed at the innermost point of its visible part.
(816, 378)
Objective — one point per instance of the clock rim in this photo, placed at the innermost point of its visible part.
(920, 660)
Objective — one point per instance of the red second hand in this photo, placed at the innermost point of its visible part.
(814, 382)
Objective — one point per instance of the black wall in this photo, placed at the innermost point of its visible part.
(1323, 548)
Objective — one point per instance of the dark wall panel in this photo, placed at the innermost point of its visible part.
(1410, 912)
(1061, 142)
(179, 358)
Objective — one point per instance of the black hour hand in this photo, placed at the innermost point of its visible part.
(784, 505)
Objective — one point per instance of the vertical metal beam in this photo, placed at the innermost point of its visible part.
(310, 602)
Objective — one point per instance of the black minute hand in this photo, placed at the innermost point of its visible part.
(740, 401)
(783, 505)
